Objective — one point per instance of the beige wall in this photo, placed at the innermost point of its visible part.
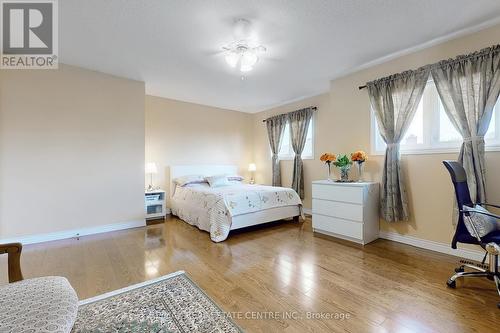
(181, 133)
(343, 125)
(71, 150)
(73, 142)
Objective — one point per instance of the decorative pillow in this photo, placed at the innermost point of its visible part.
(484, 224)
(217, 180)
(235, 178)
(190, 179)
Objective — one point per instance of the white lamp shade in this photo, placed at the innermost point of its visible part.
(151, 168)
(252, 167)
(232, 58)
(248, 59)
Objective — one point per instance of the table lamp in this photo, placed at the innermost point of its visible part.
(252, 168)
(151, 169)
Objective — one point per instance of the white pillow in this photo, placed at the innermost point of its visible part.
(484, 224)
(236, 178)
(190, 179)
(217, 181)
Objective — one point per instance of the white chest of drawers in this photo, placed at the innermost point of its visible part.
(346, 210)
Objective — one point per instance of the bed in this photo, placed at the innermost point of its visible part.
(218, 210)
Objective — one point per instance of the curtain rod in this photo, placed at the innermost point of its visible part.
(447, 62)
(314, 108)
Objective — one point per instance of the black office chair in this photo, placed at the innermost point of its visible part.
(490, 242)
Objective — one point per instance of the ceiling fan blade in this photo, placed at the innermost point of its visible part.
(271, 59)
(210, 53)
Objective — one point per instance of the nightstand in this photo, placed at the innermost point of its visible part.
(155, 204)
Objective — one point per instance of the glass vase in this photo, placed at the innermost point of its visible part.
(361, 167)
(344, 173)
(329, 175)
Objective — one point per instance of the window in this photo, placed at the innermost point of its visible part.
(431, 131)
(286, 151)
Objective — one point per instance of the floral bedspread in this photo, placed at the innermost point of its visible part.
(212, 209)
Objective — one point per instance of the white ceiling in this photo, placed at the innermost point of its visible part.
(174, 45)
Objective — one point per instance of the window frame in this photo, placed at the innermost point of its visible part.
(291, 155)
(430, 135)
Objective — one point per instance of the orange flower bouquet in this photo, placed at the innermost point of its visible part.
(328, 159)
(359, 157)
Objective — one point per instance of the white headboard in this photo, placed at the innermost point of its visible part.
(177, 171)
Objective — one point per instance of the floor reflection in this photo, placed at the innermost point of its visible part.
(151, 267)
(153, 237)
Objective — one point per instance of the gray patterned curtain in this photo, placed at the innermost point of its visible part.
(469, 87)
(299, 124)
(275, 129)
(394, 100)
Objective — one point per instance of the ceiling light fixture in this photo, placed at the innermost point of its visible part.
(242, 53)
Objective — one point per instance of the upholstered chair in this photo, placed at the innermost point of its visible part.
(45, 304)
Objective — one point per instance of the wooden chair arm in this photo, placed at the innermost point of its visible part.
(13, 251)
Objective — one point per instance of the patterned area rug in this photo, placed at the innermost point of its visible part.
(172, 303)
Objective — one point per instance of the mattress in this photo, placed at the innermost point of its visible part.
(212, 209)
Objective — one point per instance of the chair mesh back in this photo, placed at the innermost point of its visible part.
(462, 194)
(459, 179)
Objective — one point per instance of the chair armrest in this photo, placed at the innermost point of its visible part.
(13, 251)
(472, 210)
(489, 205)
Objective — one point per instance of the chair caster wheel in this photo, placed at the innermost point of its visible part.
(459, 269)
(452, 284)
(498, 305)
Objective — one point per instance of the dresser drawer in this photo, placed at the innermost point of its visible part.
(338, 226)
(338, 193)
(338, 209)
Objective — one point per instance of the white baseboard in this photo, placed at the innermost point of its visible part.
(476, 255)
(40, 238)
(307, 211)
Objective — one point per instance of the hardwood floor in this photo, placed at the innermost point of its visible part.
(281, 271)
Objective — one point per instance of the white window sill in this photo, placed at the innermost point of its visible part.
(431, 151)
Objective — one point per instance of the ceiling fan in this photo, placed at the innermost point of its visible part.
(243, 53)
